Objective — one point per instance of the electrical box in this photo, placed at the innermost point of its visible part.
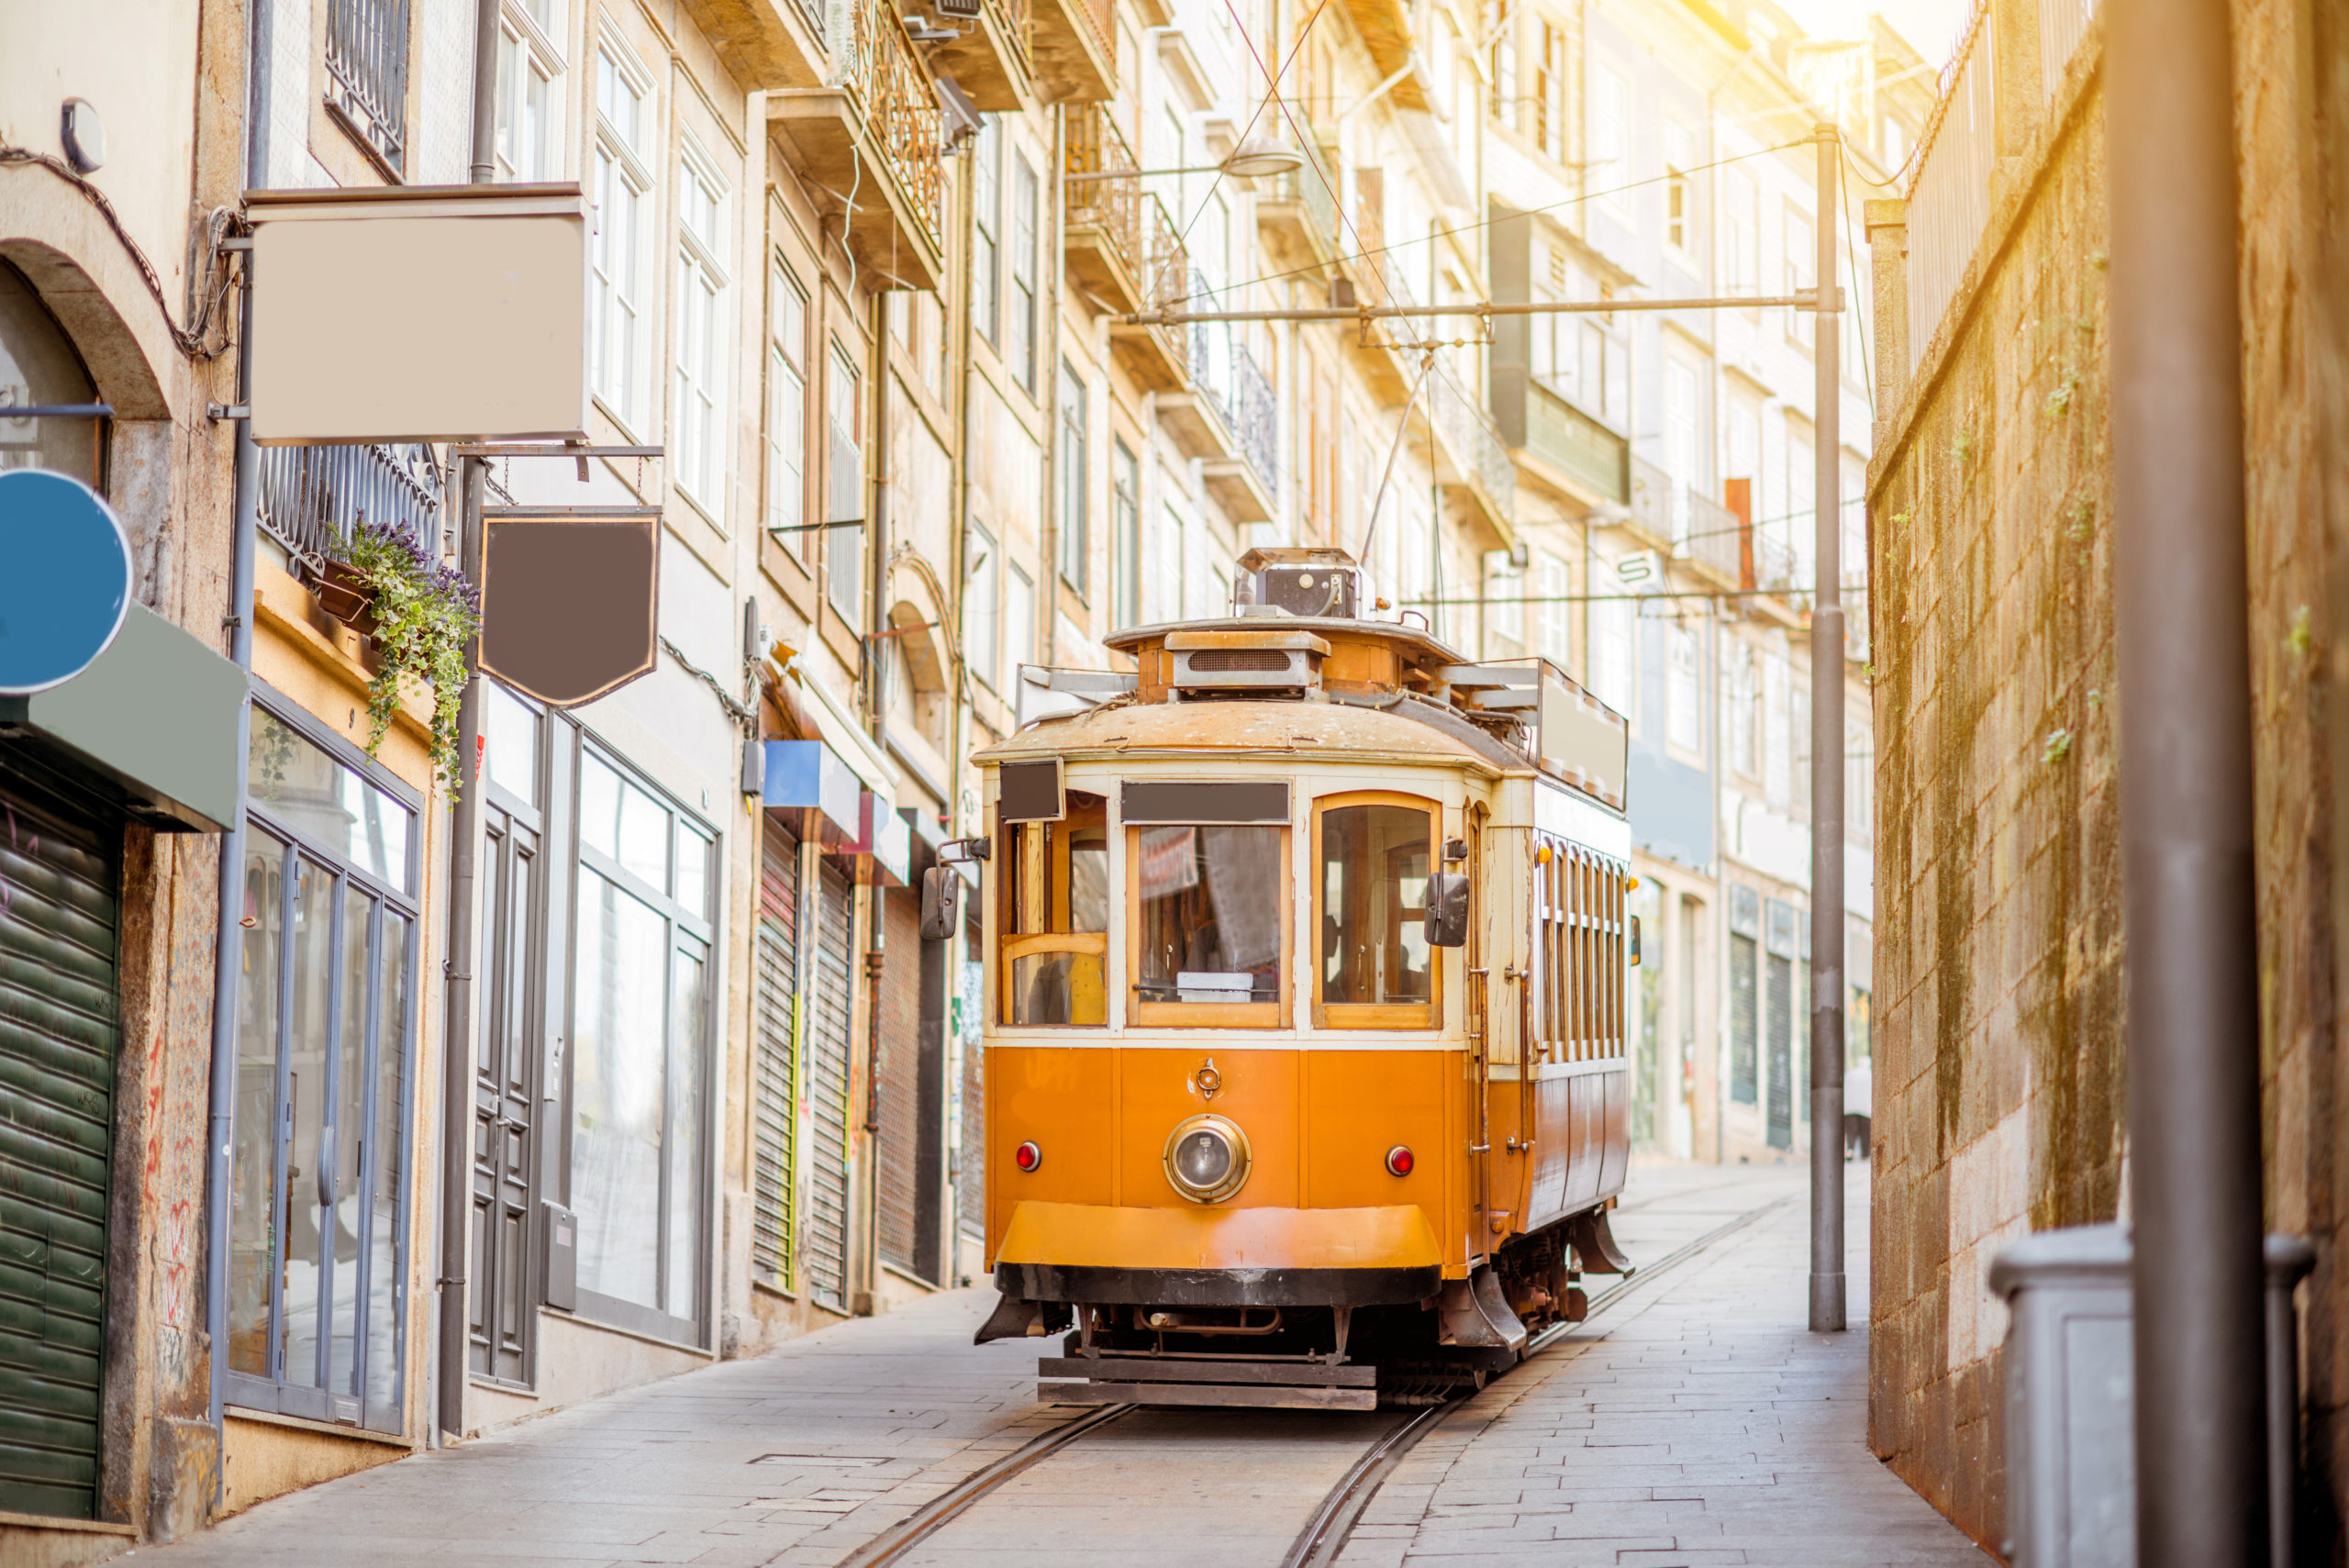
(561, 1263)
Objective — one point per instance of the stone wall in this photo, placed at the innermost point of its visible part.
(2000, 1045)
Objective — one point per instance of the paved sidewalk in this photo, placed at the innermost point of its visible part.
(1699, 1422)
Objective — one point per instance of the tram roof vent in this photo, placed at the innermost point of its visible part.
(1245, 661)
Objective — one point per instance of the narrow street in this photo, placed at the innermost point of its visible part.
(1692, 1421)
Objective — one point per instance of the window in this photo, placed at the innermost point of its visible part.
(1603, 381)
(844, 547)
(1020, 620)
(982, 622)
(787, 434)
(1505, 104)
(1069, 470)
(1020, 352)
(1676, 208)
(1611, 131)
(528, 61)
(366, 51)
(1054, 886)
(325, 1047)
(640, 1045)
(1124, 480)
(623, 188)
(1206, 910)
(1505, 604)
(1550, 94)
(701, 335)
(1742, 692)
(1778, 760)
(1684, 692)
(1683, 452)
(1371, 855)
(1679, 195)
(1801, 261)
(1744, 1019)
(1556, 618)
(1738, 225)
(986, 217)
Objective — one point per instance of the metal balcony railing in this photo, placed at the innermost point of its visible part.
(1113, 205)
(874, 61)
(1017, 19)
(1249, 408)
(1652, 501)
(1712, 537)
(1476, 445)
(1167, 278)
(312, 497)
(367, 72)
(1314, 188)
(1774, 564)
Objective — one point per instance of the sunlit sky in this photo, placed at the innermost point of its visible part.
(1930, 24)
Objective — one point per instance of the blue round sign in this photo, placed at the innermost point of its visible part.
(67, 584)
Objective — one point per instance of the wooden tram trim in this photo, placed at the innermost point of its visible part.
(1428, 1015)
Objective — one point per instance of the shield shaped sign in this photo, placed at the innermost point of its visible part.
(569, 604)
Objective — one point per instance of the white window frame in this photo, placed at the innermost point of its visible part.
(700, 354)
(786, 411)
(623, 190)
(528, 50)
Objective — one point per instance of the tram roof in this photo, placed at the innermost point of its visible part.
(1403, 728)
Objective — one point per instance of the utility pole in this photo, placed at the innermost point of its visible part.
(1826, 1304)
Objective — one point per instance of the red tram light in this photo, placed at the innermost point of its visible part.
(1028, 1156)
(1399, 1161)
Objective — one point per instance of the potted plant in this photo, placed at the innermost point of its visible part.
(423, 614)
(345, 595)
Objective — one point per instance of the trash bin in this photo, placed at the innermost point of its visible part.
(2070, 1444)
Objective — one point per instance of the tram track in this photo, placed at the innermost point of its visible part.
(1324, 1536)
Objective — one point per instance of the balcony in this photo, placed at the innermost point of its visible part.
(1651, 505)
(765, 44)
(1158, 358)
(1714, 540)
(874, 129)
(1070, 51)
(312, 497)
(989, 58)
(1470, 456)
(1385, 30)
(1103, 235)
(1301, 210)
(1245, 483)
(367, 75)
(1564, 447)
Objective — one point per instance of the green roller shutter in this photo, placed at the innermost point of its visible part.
(58, 1029)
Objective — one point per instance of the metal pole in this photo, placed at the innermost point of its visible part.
(2180, 592)
(1827, 1303)
(464, 828)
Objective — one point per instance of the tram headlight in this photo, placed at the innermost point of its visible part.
(1207, 1158)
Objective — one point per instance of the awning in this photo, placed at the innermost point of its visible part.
(844, 735)
(152, 723)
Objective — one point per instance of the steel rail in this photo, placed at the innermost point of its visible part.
(949, 1505)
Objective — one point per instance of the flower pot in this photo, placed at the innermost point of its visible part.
(346, 597)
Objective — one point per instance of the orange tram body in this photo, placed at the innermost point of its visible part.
(1305, 1079)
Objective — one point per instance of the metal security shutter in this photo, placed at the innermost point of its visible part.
(897, 1067)
(775, 1093)
(971, 1170)
(1744, 1019)
(828, 1042)
(1782, 1043)
(58, 1035)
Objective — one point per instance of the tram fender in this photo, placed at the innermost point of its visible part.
(1594, 1244)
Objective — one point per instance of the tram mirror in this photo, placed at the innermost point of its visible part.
(1635, 941)
(1031, 792)
(1447, 916)
(942, 904)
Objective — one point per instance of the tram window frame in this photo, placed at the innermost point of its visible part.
(1030, 853)
(1326, 1014)
(1146, 1013)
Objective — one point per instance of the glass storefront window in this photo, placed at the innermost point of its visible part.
(640, 1059)
(1055, 917)
(318, 1181)
(1374, 969)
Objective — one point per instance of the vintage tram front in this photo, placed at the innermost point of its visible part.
(1304, 1050)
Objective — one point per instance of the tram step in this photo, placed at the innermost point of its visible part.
(1281, 1396)
(1155, 1369)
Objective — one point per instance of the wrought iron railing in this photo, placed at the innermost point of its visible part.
(1712, 535)
(367, 72)
(1650, 500)
(874, 61)
(1314, 188)
(312, 497)
(1166, 277)
(1476, 445)
(1254, 418)
(1774, 564)
(1017, 20)
(1093, 16)
(1112, 205)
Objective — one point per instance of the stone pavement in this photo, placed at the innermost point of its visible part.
(1694, 1422)
(1697, 1421)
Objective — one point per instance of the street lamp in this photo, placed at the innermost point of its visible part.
(1253, 159)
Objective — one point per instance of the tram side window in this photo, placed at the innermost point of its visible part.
(1374, 969)
(1055, 918)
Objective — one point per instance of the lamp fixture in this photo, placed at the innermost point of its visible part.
(1257, 158)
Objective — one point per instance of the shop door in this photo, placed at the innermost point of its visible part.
(58, 1035)
(777, 1126)
(828, 1088)
(1782, 1052)
(505, 1098)
(896, 1067)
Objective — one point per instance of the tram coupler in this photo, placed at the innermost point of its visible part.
(1114, 1377)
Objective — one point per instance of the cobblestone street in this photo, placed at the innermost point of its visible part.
(1692, 1421)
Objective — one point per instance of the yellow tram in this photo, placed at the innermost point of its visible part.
(1305, 1080)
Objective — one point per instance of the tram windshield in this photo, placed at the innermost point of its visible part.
(1375, 968)
(1055, 917)
(1209, 911)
